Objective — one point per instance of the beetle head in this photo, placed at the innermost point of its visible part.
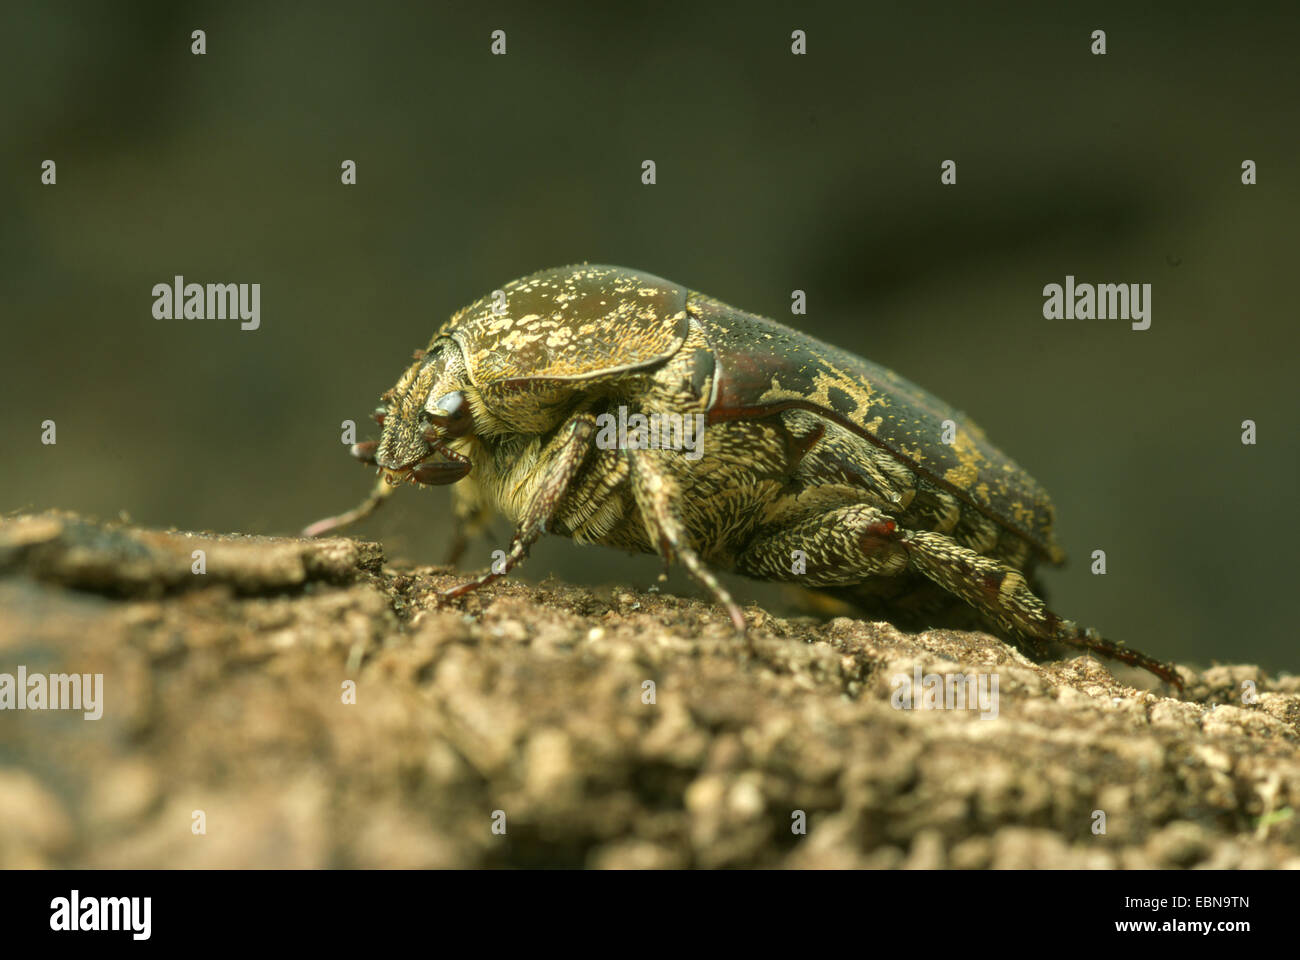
(429, 408)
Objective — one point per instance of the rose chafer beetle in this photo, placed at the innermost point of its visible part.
(817, 467)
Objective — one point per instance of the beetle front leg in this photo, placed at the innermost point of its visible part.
(565, 454)
(657, 494)
(382, 490)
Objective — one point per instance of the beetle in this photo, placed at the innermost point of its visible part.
(816, 466)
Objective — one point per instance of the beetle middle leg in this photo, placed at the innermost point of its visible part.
(565, 454)
(657, 493)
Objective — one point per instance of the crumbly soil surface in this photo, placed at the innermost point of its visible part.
(303, 704)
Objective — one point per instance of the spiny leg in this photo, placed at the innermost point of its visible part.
(565, 454)
(851, 544)
(657, 494)
(1003, 596)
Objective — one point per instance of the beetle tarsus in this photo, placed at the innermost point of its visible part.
(518, 552)
(738, 619)
(1090, 639)
(368, 506)
(469, 586)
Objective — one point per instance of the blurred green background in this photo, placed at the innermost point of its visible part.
(775, 172)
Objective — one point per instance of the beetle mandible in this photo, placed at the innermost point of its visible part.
(817, 466)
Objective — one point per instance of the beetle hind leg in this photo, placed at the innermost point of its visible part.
(1004, 597)
(853, 547)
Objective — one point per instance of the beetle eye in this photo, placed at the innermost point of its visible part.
(451, 414)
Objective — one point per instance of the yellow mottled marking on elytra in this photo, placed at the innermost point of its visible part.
(778, 392)
(970, 460)
(1020, 513)
(961, 477)
(858, 392)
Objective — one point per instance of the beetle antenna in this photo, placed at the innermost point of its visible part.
(371, 503)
